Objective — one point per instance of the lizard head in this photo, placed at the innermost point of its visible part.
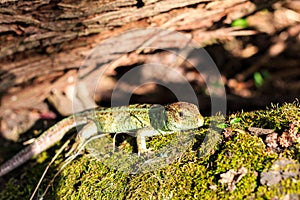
(183, 116)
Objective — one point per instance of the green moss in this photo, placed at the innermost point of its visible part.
(86, 178)
(13, 190)
(285, 187)
(243, 151)
(194, 175)
(275, 117)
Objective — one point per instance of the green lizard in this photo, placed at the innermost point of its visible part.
(144, 120)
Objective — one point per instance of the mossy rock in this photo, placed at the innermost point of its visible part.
(234, 167)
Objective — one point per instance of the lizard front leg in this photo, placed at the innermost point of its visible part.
(141, 135)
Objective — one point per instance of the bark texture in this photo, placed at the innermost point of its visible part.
(43, 43)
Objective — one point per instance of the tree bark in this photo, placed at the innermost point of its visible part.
(43, 43)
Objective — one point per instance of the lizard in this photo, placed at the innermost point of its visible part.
(145, 120)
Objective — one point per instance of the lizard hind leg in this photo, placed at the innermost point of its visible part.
(91, 131)
(87, 131)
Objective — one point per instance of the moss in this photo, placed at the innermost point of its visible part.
(275, 117)
(289, 186)
(13, 190)
(243, 151)
(191, 177)
(90, 179)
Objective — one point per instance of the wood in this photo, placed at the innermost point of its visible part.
(43, 43)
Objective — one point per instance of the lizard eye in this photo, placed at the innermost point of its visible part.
(180, 114)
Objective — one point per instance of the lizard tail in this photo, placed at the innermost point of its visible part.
(23, 156)
(42, 143)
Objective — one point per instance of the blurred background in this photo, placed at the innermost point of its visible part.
(46, 47)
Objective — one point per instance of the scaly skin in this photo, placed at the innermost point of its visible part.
(152, 118)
